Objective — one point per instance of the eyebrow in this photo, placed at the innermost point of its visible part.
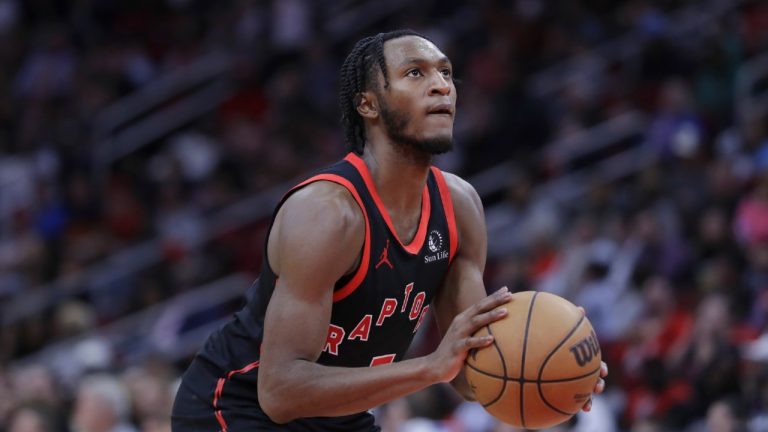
(417, 60)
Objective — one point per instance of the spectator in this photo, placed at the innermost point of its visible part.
(708, 359)
(101, 405)
(35, 417)
(751, 221)
(726, 415)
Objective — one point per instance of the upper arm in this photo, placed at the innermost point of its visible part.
(316, 238)
(463, 285)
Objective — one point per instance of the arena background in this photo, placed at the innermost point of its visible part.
(620, 148)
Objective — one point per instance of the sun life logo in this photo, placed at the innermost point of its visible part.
(435, 245)
(435, 241)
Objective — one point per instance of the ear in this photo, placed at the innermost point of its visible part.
(367, 105)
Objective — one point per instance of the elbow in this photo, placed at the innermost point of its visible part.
(276, 409)
(274, 405)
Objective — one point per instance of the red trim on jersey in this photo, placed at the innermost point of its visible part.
(220, 389)
(221, 421)
(362, 270)
(216, 410)
(243, 370)
(421, 233)
(450, 216)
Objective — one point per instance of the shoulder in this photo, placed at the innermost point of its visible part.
(465, 199)
(325, 200)
(470, 219)
(321, 216)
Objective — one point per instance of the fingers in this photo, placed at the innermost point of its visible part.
(478, 316)
(477, 322)
(486, 318)
(498, 298)
(484, 312)
(600, 386)
(476, 342)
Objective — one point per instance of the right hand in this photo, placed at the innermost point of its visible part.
(450, 355)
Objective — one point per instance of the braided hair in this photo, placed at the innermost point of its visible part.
(356, 75)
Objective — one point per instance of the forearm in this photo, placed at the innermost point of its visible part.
(307, 389)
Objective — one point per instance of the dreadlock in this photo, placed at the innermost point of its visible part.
(356, 75)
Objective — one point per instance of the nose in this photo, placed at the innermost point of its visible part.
(440, 85)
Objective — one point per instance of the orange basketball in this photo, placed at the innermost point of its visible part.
(542, 366)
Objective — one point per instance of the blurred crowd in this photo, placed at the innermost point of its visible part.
(670, 261)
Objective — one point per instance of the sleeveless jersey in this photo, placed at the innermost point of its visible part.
(376, 309)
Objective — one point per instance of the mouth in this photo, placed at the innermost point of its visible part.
(441, 109)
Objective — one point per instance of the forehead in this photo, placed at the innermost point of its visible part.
(400, 50)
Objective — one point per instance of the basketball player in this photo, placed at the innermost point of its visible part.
(355, 258)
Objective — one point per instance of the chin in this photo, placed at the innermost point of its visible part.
(435, 145)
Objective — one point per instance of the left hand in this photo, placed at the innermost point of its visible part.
(599, 387)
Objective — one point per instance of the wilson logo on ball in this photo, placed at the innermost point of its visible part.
(586, 349)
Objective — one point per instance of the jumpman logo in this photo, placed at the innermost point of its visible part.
(383, 258)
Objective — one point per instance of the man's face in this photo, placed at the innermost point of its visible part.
(418, 107)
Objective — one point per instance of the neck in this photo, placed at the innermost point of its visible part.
(399, 174)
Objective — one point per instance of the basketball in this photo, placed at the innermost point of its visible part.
(542, 366)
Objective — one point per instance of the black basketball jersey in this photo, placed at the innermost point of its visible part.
(376, 309)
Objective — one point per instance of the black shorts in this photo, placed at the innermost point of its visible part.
(211, 400)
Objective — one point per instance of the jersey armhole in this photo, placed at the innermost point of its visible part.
(450, 216)
(355, 278)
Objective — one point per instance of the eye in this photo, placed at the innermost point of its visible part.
(414, 73)
(447, 73)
